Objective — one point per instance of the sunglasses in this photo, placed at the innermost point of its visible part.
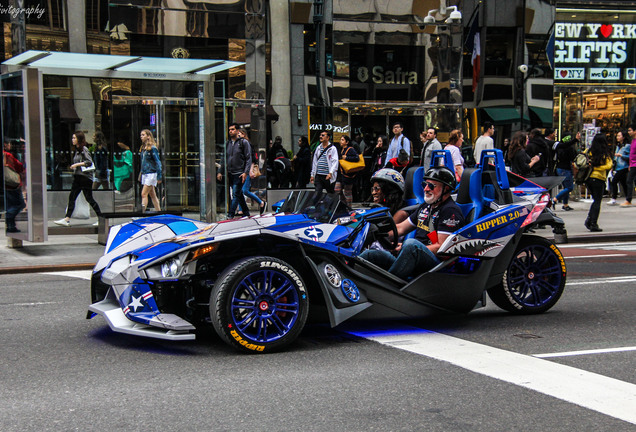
(430, 185)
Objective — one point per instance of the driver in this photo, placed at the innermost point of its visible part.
(433, 221)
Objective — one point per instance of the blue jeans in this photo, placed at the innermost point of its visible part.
(247, 190)
(568, 185)
(14, 205)
(414, 259)
(237, 196)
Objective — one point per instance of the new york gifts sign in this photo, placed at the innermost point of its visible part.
(594, 52)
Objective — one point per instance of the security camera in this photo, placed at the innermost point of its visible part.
(523, 68)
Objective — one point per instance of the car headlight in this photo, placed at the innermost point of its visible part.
(170, 268)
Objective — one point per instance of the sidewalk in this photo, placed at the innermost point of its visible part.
(81, 251)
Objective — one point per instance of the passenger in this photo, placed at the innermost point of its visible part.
(388, 191)
(433, 221)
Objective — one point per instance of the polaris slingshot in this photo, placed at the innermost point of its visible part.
(256, 279)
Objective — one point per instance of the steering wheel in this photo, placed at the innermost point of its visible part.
(385, 227)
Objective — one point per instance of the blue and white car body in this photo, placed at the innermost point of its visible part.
(256, 279)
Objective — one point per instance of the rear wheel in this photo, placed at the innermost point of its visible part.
(259, 304)
(534, 279)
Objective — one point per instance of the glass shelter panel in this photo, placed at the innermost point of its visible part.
(14, 154)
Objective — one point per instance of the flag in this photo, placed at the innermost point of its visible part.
(473, 44)
(476, 60)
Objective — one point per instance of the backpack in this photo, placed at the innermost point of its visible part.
(410, 155)
(583, 166)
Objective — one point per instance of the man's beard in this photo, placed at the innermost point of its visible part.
(430, 200)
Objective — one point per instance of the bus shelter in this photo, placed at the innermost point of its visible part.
(174, 98)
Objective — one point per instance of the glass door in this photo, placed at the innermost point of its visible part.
(174, 123)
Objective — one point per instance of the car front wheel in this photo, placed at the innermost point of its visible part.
(259, 304)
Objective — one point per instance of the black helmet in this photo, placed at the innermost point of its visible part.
(442, 175)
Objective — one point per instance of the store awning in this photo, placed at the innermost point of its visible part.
(504, 115)
(117, 66)
(545, 115)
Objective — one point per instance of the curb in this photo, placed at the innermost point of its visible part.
(599, 238)
(46, 268)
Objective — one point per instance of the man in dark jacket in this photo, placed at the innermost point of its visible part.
(538, 146)
(238, 161)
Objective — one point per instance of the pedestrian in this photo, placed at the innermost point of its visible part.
(399, 163)
(520, 163)
(485, 141)
(150, 173)
(123, 167)
(378, 156)
(601, 160)
(100, 156)
(565, 153)
(429, 144)
(345, 181)
(237, 163)
(13, 173)
(324, 166)
(302, 162)
(631, 174)
(455, 141)
(398, 143)
(537, 146)
(550, 140)
(247, 184)
(621, 168)
(278, 165)
(504, 149)
(82, 178)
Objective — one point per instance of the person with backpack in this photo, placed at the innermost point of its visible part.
(565, 153)
(399, 144)
(601, 162)
(324, 166)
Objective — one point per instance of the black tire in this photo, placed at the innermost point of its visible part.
(534, 279)
(259, 304)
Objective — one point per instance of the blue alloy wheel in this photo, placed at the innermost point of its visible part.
(534, 279)
(259, 304)
(265, 305)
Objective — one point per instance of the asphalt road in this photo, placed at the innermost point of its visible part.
(60, 371)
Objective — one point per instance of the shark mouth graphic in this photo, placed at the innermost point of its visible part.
(476, 247)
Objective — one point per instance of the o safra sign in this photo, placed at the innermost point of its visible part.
(380, 76)
(579, 43)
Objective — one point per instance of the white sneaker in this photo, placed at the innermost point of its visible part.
(612, 202)
(63, 222)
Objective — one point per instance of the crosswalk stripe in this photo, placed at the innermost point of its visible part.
(590, 390)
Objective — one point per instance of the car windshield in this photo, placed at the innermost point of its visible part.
(322, 207)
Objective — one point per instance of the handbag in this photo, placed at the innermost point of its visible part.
(88, 169)
(11, 178)
(255, 172)
(352, 167)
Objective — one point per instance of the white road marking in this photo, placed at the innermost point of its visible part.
(29, 304)
(605, 280)
(585, 352)
(79, 274)
(593, 391)
(623, 246)
(595, 256)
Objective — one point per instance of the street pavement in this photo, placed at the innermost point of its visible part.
(81, 251)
